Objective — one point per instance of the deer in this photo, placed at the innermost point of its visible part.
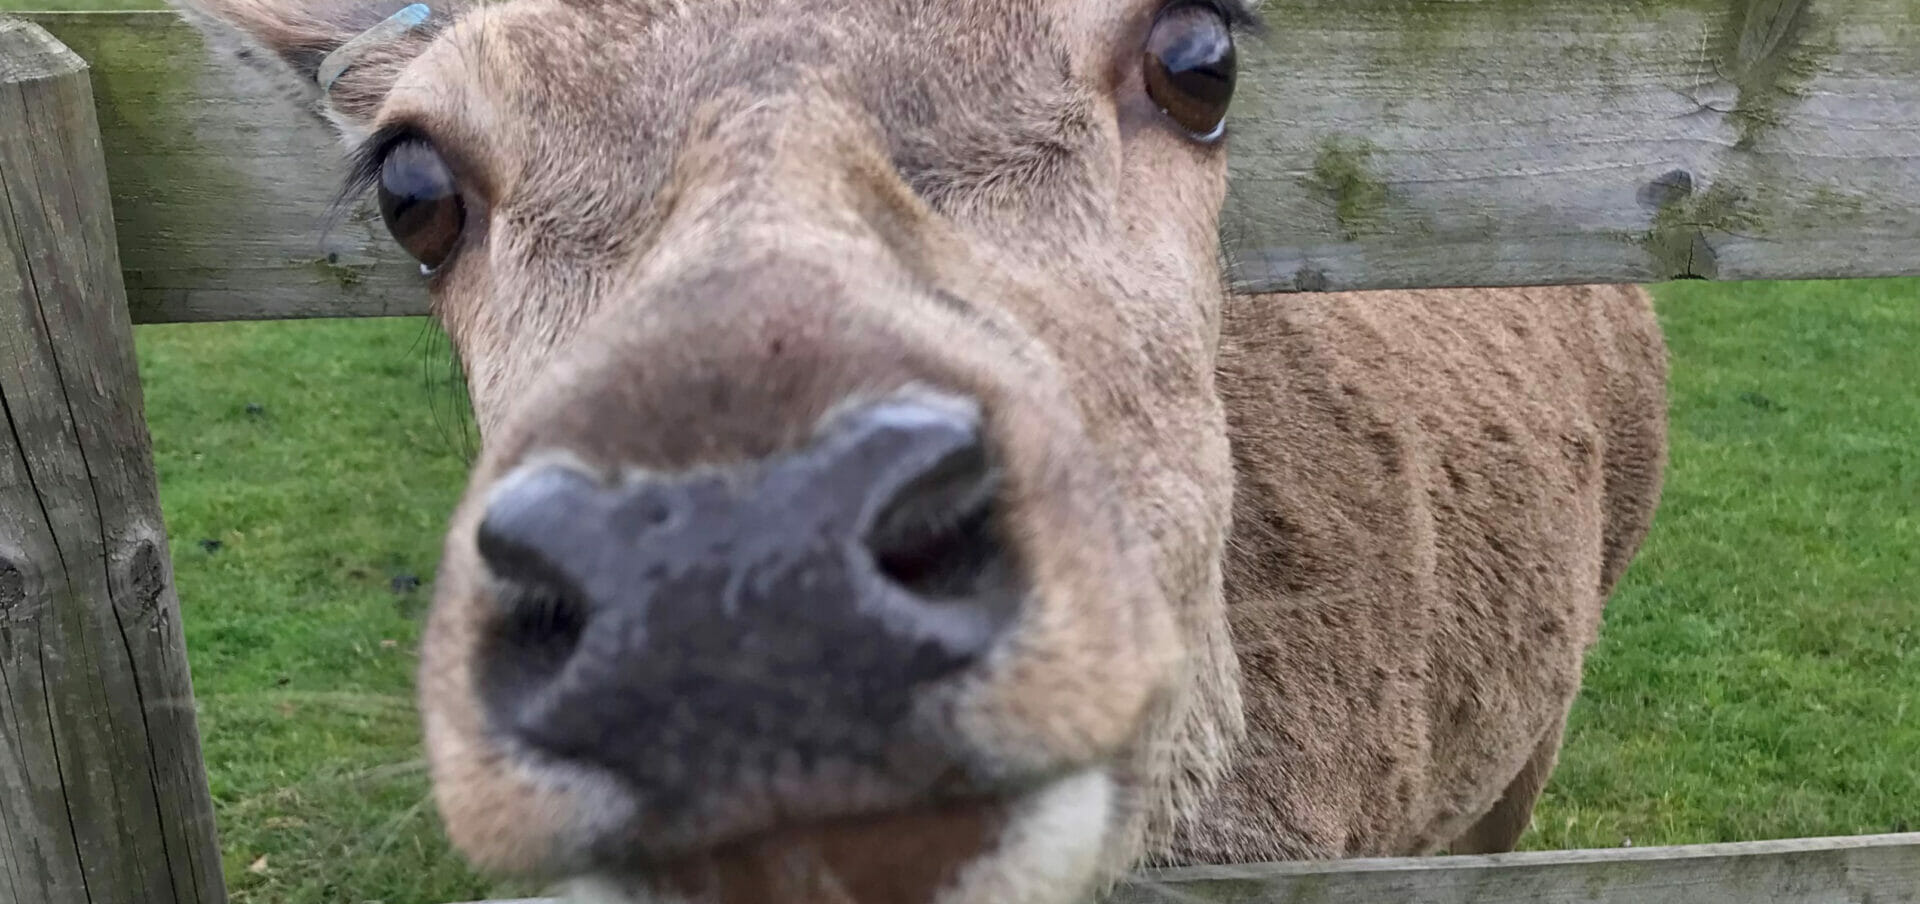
(882, 497)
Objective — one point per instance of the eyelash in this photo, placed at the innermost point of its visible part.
(364, 163)
(1240, 15)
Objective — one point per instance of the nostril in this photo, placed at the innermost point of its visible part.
(542, 609)
(540, 628)
(941, 562)
(936, 536)
(511, 559)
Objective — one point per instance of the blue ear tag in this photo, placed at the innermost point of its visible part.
(343, 57)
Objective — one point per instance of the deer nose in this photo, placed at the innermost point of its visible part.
(666, 625)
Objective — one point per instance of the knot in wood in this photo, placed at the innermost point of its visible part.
(13, 591)
(143, 583)
(1667, 188)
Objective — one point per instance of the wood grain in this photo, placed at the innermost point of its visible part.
(103, 796)
(1374, 144)
(1882, 869)
(224, 184)
(1415, 143)
(1865, 869)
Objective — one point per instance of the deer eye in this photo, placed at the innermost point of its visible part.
(421, 203)
(1190, 67)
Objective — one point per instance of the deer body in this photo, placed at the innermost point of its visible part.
(883, 501)
(1436, 492)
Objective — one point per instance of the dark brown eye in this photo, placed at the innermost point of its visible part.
(421, 203)
(1190, 67)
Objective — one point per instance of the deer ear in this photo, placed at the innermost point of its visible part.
(345, 54)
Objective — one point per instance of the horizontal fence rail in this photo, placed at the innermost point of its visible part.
(223, 184)
(1421, 143)
(1375, 144)
(1865, 869)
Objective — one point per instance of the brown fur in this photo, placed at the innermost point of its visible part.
(1437, 490)
(704, 225)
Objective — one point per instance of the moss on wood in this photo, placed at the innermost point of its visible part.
(1678, 239)
(1343, 169)
(1769, 50)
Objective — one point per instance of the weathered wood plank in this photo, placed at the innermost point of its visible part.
(103, 796)
(1865, 869)
(224, 185)
(1409, 143)
(1376, 143)
(1882, 869)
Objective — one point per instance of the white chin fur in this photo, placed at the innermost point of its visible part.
(1050, 853)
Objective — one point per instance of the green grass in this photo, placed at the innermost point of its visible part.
(322, 460)
(1756, 678)
(1759, 674)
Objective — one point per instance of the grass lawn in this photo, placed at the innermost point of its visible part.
(306, 472)
(1758, 676)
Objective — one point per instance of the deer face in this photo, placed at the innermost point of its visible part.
(854, 487)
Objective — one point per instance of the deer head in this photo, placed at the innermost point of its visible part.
(854, 485)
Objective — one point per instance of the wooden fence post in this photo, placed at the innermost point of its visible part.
(103, 795)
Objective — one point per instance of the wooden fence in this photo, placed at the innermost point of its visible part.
(1378, 143)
